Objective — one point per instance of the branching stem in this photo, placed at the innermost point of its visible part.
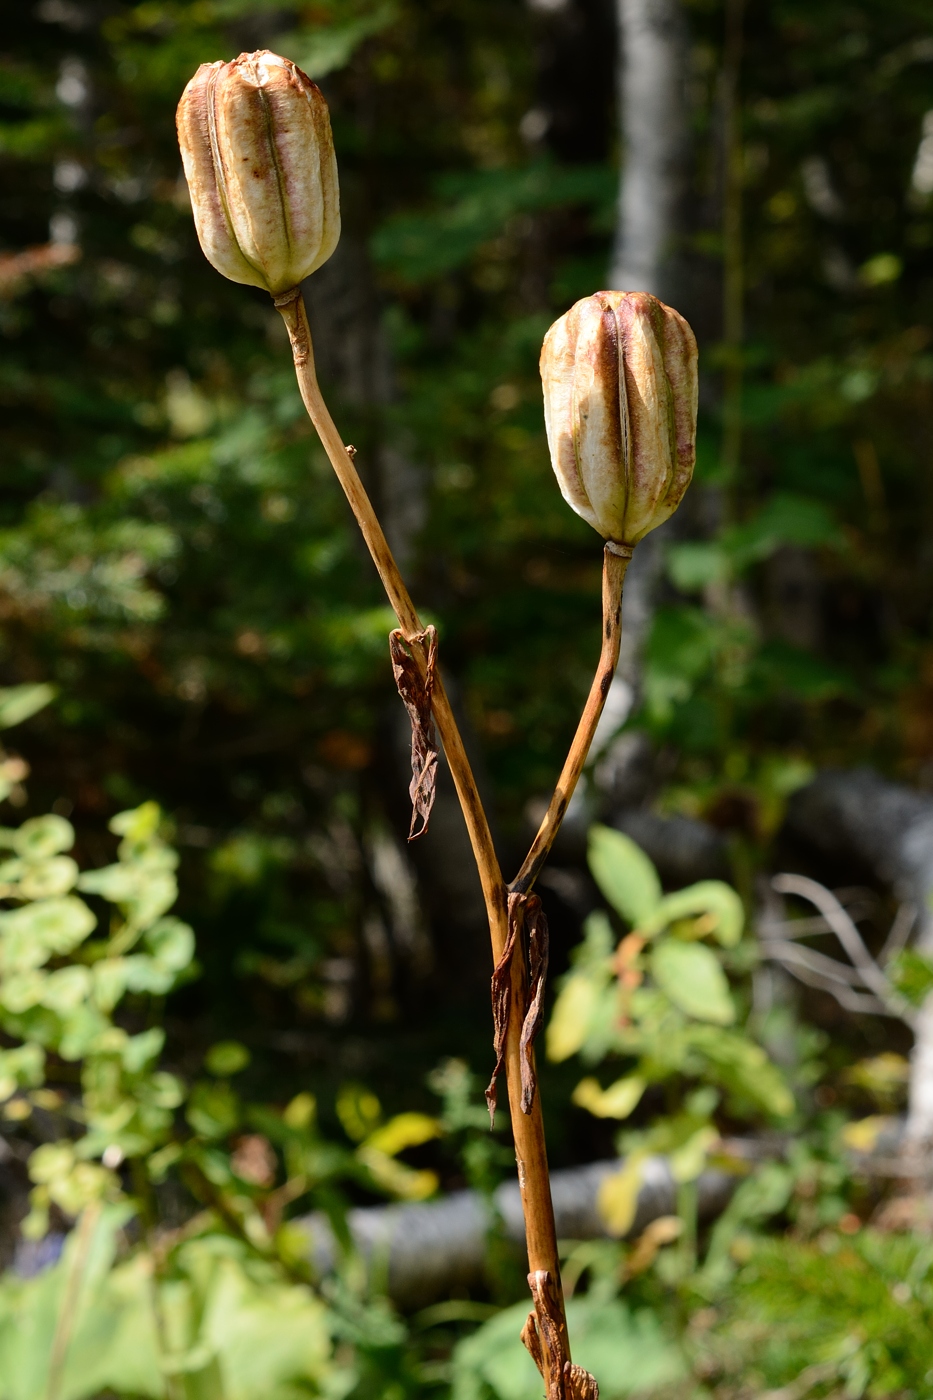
(527, 1129)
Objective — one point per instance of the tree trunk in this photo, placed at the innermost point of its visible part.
(651, 77)
(652, 57)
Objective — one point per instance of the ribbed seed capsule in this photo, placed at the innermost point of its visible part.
(619, 371)
(259, 158)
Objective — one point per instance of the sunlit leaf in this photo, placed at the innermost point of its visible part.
(42, 837)
(713, 905)
(402, 1131)
(618, 1101)
(691, 976)
(20, 702)
(623, 873)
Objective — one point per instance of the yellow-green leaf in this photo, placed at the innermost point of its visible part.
(623, 873)
(618, 1101)
(690, 975)
(714, 905)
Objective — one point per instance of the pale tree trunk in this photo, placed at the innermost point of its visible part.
(652, 58)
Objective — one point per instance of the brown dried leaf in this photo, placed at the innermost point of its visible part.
(544, 1339)
(501, 988)
(579, 1384)
(536, 928)
(417, 692)
(532, 1342)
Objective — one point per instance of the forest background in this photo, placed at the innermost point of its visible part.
(176, 560)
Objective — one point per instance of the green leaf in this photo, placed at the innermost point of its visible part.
(714, 905)
(213, 1110)
(690, 975)
(171, 943)
(358, 1110)
(20, 702)
(697, 564)
(28, 936)
(42, 837)
(48, 878)
(624, 874)
(912, 974)
(226, 1057)
(22, 1067)
(66, 989)
(139, 1050)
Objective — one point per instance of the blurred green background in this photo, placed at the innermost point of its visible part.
(177, 560)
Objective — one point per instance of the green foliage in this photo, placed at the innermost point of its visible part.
(840, 1314)
(222, 1307)
(626, 1350)
(213, 1321)
(661, 1000)
(912, 974)
(473, 208)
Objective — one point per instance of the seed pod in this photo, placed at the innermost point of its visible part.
(259, 159)
(620, 404)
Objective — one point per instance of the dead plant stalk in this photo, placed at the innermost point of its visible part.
(527, 1127)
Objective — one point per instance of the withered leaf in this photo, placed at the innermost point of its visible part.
(544, 1340)
(537, 945)
(417, 692)
(526, 917)
(501, 988)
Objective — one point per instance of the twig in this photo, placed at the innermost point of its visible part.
(841, 925)
(616, 559)
(825, 982)
(904, 920)
(818, 963)
(527, 1129)
(833, 976)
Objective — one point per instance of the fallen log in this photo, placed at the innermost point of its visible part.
(420, 1252)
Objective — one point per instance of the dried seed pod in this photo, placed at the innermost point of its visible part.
(259, 159)
(620, 404)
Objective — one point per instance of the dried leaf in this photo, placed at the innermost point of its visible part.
(579, 1384)
(536, 928)
(417, 692)
(543, 1338)
(501, 987)
(532, 1342)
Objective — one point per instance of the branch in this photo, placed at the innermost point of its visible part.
(867, 970)
(794, 959)
(615, 564)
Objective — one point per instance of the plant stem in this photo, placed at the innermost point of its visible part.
(527, 1129)
(615, 563)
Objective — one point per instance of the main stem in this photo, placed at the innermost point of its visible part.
(527, 1129)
